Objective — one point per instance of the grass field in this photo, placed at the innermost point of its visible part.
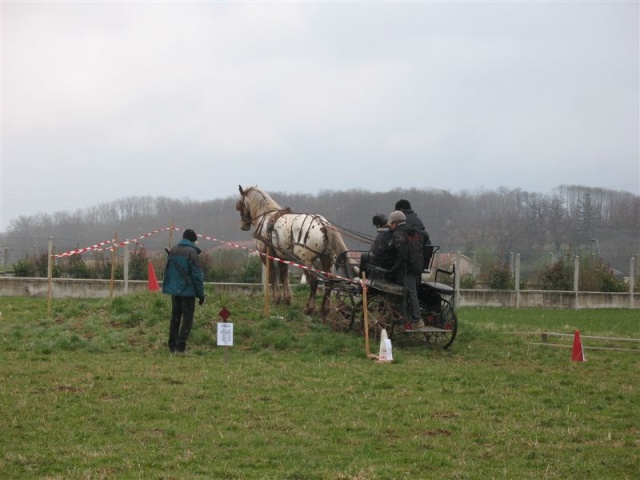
(91, 392)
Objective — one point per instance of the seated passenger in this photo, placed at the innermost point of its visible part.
(382, 253)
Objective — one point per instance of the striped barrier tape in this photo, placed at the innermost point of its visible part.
(112, 246)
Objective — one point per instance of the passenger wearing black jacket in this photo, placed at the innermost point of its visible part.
(412, 218)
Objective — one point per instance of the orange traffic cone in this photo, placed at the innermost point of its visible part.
(577, 355)
(153, 281)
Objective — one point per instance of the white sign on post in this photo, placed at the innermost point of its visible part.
(225, 334)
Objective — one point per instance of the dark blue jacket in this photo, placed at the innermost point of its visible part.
(186, 278)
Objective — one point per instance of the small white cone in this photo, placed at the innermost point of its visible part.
(385, 356)
(389, 354)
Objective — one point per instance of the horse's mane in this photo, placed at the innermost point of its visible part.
(259, 201)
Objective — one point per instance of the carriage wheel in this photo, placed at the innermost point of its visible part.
(442, 326)
(339, 308)
(380, 315)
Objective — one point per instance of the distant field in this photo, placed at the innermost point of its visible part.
(91, 392)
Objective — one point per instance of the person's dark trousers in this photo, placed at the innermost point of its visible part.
(411, 288)
(182, 310)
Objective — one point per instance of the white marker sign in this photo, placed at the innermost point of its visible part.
(225, 334)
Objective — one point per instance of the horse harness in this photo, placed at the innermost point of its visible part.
(302, 237)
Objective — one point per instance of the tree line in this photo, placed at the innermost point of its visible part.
(487, 225)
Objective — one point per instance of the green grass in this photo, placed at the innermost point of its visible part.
(91, 392)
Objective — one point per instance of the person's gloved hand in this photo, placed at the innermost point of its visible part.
(201, 299)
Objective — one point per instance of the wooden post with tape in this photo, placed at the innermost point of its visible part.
(365, 313)
(49, 275)
(267, 280)
(114, 258)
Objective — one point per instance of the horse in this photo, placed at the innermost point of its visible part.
(301, 238)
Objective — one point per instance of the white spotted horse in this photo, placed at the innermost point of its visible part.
(301, 238)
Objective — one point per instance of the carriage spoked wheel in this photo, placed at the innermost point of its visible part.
(380, 314)
(442, 326)
(339, 308)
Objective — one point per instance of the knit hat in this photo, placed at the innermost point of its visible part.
(190, 235)
(403, 205)
(397, 216)
(379, 220)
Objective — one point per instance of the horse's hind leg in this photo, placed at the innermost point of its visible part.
(312, 280)
(313, 289)
(327, 264)
(284, 280)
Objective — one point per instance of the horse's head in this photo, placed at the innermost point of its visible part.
(245, 213)
(254, 204)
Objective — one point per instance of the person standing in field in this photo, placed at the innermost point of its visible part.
(412, 217)
(184, 281)
(408, 243)
(413, 220)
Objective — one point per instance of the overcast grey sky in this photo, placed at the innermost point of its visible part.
(106, 100)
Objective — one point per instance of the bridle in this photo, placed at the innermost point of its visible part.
(245, 214)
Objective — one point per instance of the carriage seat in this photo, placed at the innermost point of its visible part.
(377, 276)
(439, 287)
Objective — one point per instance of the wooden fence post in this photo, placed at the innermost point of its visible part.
(456, 278)
(50, 275)
(517, 280)
(114, 257)
(267, 280)
(126, 268)
(576, 279)
(632, 281)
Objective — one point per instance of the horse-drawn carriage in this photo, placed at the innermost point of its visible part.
(358, 281)
(284, 238)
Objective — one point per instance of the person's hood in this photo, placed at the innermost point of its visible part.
(189, 243)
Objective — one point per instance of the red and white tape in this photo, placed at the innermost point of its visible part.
(112, 244)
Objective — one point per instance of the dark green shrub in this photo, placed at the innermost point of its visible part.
(226, 266)
(24, 268)
(500, 277)
(468, 281)
(35, 267)
(557, 276)
(252, 271)
(42, 265)
(75, 267)
(597, 276)
(139, 264)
